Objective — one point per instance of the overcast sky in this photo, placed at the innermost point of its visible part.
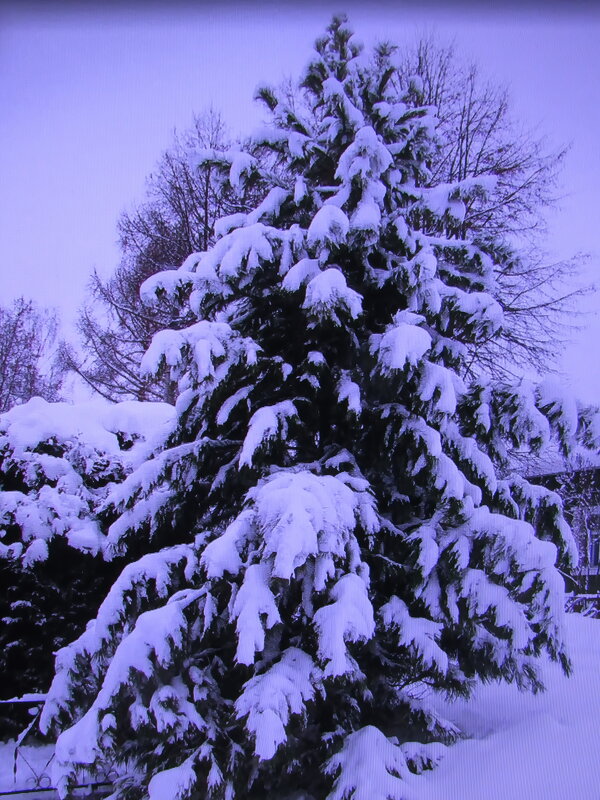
(90, 97)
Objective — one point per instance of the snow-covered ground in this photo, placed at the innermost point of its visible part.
(519, 746)
(526, 747)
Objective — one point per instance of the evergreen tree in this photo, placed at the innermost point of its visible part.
(332, 529)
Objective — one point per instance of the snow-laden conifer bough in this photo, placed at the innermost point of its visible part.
(331, 531)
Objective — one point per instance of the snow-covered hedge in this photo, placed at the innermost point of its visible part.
(58, 461)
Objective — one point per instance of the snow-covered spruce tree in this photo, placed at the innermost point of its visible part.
(332, 529)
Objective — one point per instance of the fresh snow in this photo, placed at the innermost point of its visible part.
(231, 402)
(349, 392)
(403, 343)
(367, 156)
(449, 197)
(240, 164)
(518, 745)
(95, 439)
(329, 224)
(95, 422)
(269, 207)
(416, 632)
(266, 424)
(168, 282)
(561, 403)
(171, 784)
(441, 381)
(478, 307)
(269, 699)
(334, 90)
(253, 603)
(327, 291)
(32, 762)
(153, 572)
(293, 554)
(300, 274)
(348, 619)
(371, 767)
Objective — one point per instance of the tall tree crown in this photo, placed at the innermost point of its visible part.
(332, 528)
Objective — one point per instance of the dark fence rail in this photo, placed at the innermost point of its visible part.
(36, 777)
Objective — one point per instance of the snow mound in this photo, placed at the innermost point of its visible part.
(519, 745)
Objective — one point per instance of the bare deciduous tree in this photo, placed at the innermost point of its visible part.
(28, 367)
(579, 486)
(175, 219)
(479, 136)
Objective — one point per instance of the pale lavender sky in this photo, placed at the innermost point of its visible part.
(90, 98)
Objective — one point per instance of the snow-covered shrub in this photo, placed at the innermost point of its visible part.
(57, 463)
(332, 528)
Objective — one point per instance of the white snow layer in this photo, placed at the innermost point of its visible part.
(327, 291)
(266, 424)
(349, 392)
(174, 783)
(518, 745)
(403, 343)
(371, 768)
(90, 437)
(95, 422)
(269, 699)
(329, 224)
(240, 164)
(366, 157)
(300, 515)
(152, 573)
(201, 346)
(348, 619)
(253, 603)
(561, 405)
(300, 274)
